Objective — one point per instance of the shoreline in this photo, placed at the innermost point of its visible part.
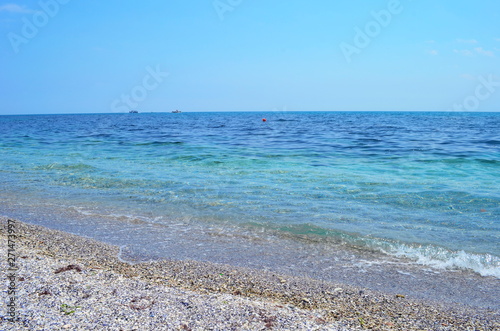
(301, 256)
(169, 294)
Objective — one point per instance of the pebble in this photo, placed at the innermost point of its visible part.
(113, 295)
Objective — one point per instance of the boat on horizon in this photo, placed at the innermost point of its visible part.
(176, 111)
(133, 112)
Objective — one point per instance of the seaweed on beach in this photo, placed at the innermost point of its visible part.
(67, 268)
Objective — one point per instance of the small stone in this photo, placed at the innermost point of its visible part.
(319, 320)
(67, 326)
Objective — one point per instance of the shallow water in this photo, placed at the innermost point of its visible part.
(299, 192)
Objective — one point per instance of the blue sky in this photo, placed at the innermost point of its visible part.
(74, 56)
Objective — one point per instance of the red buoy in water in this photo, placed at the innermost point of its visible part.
(264, 120)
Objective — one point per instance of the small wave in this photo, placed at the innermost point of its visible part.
(459, 160)
(489, 142)
(97, 135)
(442, 258)
(488, 161)
(59, 166)
(160, 143)
(370, 140)
(429, 255)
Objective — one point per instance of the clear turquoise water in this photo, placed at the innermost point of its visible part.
(424, 186)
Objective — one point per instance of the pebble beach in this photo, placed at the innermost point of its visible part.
(66, 282)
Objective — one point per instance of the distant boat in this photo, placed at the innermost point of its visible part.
(176, 111)
(133, 112)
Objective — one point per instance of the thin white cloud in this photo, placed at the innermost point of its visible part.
(476, 50)
(497, 39)
(468, 77)
(433, 52)
(14, 8)
(482, 51)
(467, 41)
(464, 52)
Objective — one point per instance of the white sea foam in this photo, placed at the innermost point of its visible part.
(442, 258)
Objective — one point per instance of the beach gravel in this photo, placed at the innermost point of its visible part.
(67, 282)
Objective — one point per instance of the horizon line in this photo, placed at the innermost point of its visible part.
(264, 111)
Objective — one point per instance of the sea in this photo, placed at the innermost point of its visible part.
(401, 202)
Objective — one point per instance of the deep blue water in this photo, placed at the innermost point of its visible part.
(419, 185)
